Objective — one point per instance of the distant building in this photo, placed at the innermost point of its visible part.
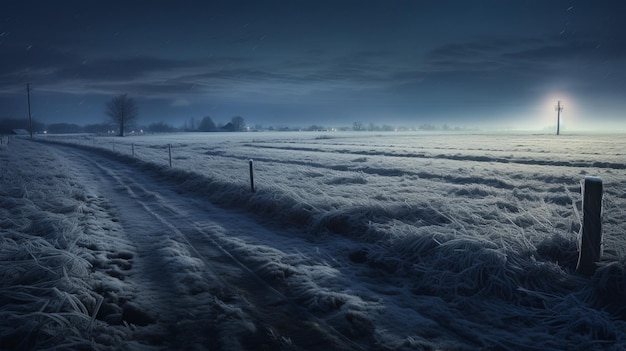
(229, 127)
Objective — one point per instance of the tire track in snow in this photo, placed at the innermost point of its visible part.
(197, 286)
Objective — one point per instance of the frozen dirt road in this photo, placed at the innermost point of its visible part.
(185, 279)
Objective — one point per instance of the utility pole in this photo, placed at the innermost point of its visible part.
(30, 118)
(558, 109)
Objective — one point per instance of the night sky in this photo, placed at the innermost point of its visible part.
(473, 64)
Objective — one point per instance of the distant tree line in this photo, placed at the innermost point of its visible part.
(206, 124)
(122, 112)
(7, 125)
(160, 127)
(359, 126)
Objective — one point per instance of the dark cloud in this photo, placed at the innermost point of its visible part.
(564, 50)
(119, 68)
(20, 64)
(361, 59)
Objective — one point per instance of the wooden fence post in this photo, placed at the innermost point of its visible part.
(169, 148)
(252, 176)
(591, 240)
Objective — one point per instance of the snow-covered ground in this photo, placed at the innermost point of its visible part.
(352, 241)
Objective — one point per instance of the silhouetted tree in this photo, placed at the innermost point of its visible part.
(206, 124)
(315, 127)
(238, 123)
(122, 111)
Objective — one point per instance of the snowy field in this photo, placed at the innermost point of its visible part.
(352, 241)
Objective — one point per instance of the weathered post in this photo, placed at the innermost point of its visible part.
(252, 176)
(133, 147)
(169, 148)
(591, 240)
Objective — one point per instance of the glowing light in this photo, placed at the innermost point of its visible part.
(548, 111)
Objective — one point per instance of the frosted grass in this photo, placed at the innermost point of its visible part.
(41, 268)
(465, 240)
(47, 300)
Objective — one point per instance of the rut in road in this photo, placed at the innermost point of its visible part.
(201, 292)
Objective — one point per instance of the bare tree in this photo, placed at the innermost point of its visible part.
(122, 111)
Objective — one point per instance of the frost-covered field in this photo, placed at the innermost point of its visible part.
(370, 241)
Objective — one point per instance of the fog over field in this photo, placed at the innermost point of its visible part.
(350, 241)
